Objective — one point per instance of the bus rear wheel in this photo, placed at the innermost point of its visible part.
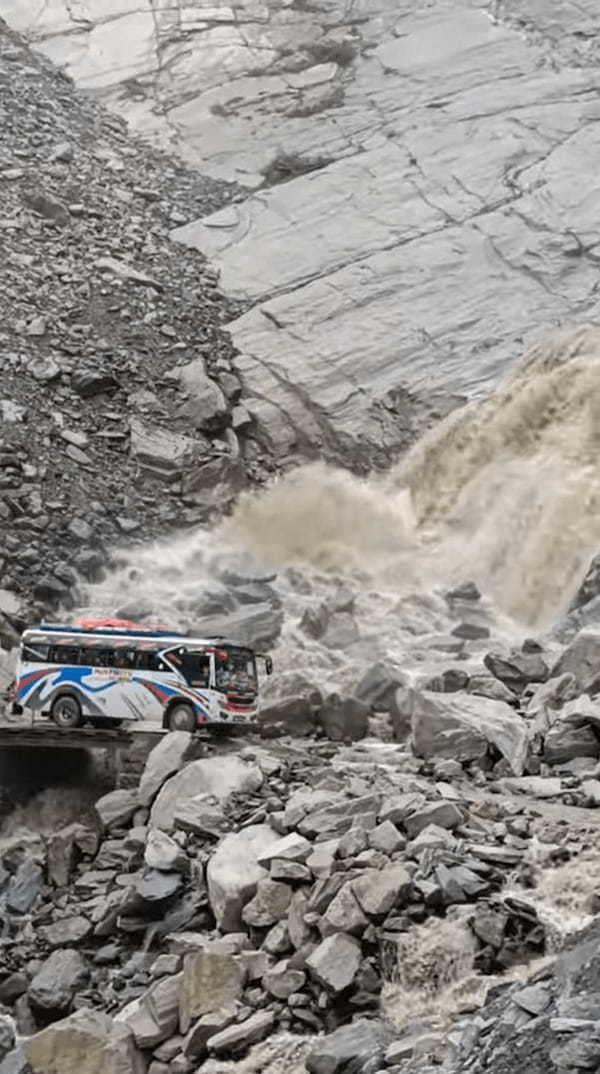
(66, 712)
(181, 718)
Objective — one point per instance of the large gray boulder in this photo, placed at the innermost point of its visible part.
(53, 987)
(219, 777)
(205, 407)
(211, 980)
(257, 625)
(351, 1046)
(462, 728)
(344, 719)
(233, 873)
(165, 759)
(88, 1042)
(581, 659)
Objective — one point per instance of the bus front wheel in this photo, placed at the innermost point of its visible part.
(181, 718)
(66, 712)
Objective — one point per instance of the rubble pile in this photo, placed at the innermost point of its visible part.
(121, 417)
(277, 886)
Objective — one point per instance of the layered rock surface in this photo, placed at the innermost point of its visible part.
(437, 206)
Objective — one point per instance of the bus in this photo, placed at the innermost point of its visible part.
(106, 675)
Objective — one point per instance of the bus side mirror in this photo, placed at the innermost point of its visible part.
(268, 665)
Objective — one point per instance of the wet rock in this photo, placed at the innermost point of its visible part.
(87, 1042)
(116, 809)
(233, 873)
(219, 777)
(53, 987)
(344, 719)
(210, 981)
(359, 1046)
(341, 632)
(165, 759)
(335, 962)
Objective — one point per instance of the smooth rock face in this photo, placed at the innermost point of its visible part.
(343, 259)
(53, 988)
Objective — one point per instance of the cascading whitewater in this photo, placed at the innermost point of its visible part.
(505, 491)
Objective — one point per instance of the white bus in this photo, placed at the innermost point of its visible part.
(105, 675)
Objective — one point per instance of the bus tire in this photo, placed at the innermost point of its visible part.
(181, 717)
(65, 711)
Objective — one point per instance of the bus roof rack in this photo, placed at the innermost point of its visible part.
(70, 628)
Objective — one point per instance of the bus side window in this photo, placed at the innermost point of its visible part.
(34, 653)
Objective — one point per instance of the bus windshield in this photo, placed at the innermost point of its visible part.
(235, 671)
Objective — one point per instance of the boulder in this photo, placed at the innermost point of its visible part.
(288, 716)
(63, 849)
(351, 1047)
(565, 741)
(87, 1042)
(343, 914)
(233, 873)
(161, 452)
(335, 962)
(155, 1016)
(378, 686)
(163, 853)
(54, 985)
(165, 759)
(257, 625)
(442, 814)
(206, 407)
(207, 1026)
(461, 727)
(202, 815)
(66, 932)
(219, 777)
(516, 669)
(292, 847)
(210, 980)
(268, 905)
(581, 659)
(378, 890)
(241, 1035)
(344, 719)
(116, 809)
(25, 886)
